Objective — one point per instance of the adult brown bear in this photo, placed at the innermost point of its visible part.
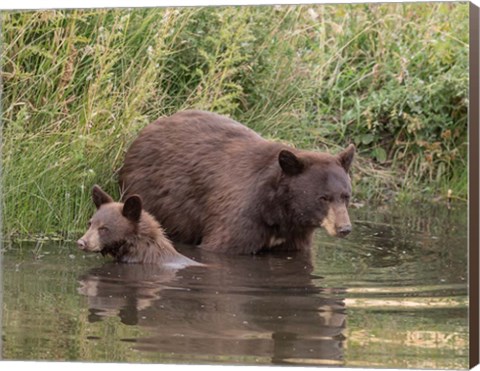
(211, 181)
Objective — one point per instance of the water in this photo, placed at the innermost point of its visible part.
(393, 294)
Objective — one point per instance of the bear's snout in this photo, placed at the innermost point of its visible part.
(337, 222)
(344, 230)
(81, 244)
(90, 241)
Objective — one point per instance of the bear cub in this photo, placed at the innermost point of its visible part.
(129, 234)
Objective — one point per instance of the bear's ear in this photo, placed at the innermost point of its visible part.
(346, 157)
(132, 208)
(290, 164)
(100, 197)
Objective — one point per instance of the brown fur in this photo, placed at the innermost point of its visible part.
(128, 233)
(211, 181)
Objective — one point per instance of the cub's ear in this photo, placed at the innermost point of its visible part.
(346, 157)
(132, 208)
(290, 164)
(100, 197)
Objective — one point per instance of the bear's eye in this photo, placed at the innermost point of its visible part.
(346, 198)
(324, 198)
(103, 228)
(89, 223)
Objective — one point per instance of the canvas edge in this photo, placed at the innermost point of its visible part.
(473, 117)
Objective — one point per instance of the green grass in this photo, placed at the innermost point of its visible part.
(79, 85)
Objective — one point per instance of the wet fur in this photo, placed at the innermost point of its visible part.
(148, 245)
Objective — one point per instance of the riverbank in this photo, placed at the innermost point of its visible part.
(78, 86)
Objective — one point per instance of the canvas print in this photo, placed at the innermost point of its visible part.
(236, 185)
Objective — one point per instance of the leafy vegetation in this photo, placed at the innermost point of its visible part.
(79, 85)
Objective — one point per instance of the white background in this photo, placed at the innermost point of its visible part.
(48, 4)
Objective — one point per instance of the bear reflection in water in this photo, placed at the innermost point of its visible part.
(123, 289)
(268, 306)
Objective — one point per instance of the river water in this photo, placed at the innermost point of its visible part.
(392, 294)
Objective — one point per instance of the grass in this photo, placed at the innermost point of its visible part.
(78, 86)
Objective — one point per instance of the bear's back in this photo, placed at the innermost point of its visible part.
(195, 127)
(193, 165)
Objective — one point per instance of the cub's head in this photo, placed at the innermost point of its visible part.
(113, 223)
(319, 188)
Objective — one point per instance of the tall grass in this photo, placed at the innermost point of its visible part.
(79, 85)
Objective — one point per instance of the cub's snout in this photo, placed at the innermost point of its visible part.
(81, 244)
(89, 241)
